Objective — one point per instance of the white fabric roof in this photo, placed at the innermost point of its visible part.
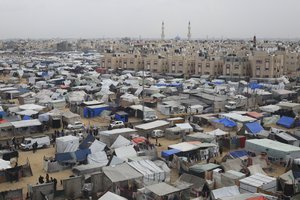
(152, 125)
(121, 172)
(120, 141)
(184, 126)
(97, 146)
(257, 180)
(238, 117)
(184, 146)
(217, 132)
(97, 158)
(4, 164)
(162, 189)
(26, 123)
(225, 192)
(31, 107)
(111, 196)
(118, 131)
(269, 108)
(27, 112)
(125, 152)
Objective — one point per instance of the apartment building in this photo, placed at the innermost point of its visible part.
(291, 64)
(265, 65)
(235, 65)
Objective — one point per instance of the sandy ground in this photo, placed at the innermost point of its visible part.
(36, 163)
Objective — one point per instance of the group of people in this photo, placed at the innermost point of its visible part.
(48, 179)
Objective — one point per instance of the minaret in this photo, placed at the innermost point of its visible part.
(162, 30)
(189, 35)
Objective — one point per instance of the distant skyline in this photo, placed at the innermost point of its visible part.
(45, 19)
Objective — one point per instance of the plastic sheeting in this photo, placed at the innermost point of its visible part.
(286, 122)
(98, 158)
(226, 122)
(254, 127)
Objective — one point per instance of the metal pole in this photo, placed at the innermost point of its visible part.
(143, 87)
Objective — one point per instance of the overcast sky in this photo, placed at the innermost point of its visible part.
(134, 18)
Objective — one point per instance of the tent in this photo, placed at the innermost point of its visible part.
(97, 146)
(109, 196)
(225, 192)
(217, 132)
(98, 158)
(254, 127)
(125, 152)
(238, 153)
(226, 122)
(170, 152)
(120, 142)
(122, 172)
(286, 122)
(67, 144)
(186, 127)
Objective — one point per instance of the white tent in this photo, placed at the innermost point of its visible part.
(67, 144)
(97, 146)
(120, 142)
(111, 196)
(225, 192)
(125, 152)
(217, 132)
(186, 127)
(4, 164)
(98, 158)
(151, 172)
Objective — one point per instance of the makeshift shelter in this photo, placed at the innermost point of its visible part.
(203, 170)
(29, 126)
(120, 142)
(118, 177)
(111, 196)
(225, 192)
(109, 137)
(99, 157)
(95, 110)
(70, 118)
(173, 133)
(196, 182)
(151, 172)
(254, 128)
(162, 190)
(67, 144)
(202, 137)
(121, 116)
(253, 183)
(269, 108)
(276, 151)
(287, 122)
(231, 177)
(145, 128)
(186, 127)
(226, 122)
(125, 152)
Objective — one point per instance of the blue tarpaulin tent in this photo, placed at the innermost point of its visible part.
(121, 116)
(226, 122)
(254, 127)
(94, 111)
(169, 152)
(238, 154)
(26, 117)
(254, 86)
(65, 157)
(86, 143)
(286, 122)
(82, 154)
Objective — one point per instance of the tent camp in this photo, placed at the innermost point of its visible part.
(120, 142)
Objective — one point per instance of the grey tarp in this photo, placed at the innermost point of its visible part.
(121, 172)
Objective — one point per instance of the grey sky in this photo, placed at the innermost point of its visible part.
(134, 18)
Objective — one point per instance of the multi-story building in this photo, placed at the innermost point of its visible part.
(265, 65)
(235, 65)
(291, 64)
